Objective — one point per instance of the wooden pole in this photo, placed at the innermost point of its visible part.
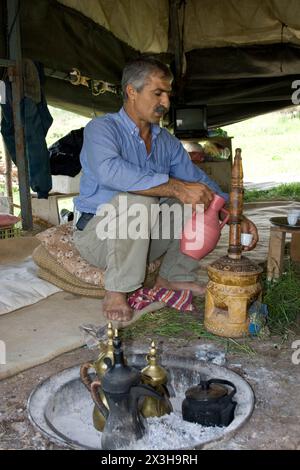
(15, 74)
(8, 178)
(236, 207)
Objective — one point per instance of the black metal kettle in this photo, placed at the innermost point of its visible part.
(210, 403)
(122, 387)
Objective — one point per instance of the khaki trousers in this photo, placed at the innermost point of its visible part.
(125, 260)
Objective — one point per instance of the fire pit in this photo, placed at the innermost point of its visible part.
(61, 408)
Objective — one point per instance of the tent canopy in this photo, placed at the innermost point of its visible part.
(238, 57)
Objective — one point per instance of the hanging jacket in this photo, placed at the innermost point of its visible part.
(36, 120)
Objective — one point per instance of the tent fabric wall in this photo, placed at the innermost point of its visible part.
(143, 24)
(62, 38)
(274, 60)
(240, 59)
(78, 99)
(238, 83)
(231, 101)
(224, 23)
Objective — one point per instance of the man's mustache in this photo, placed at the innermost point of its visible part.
(161, 109)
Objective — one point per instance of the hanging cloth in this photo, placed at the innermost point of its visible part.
(36, 120)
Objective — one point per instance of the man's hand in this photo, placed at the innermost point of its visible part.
(194, 193)
(185, 192)
(247, 226)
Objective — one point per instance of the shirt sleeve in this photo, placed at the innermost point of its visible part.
(102, 155)
(184, 169)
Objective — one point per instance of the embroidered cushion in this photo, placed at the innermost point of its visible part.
(58, 241)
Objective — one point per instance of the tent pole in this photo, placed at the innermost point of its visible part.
(8, 178)
(176, 37)
(16, 77)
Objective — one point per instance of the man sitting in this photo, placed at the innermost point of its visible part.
(128, 154)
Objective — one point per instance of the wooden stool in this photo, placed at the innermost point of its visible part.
(276, 250)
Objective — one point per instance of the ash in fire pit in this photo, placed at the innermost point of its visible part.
(61, 408)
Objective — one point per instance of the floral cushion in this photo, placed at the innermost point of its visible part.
(58, 241)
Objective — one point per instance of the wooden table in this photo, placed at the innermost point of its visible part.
(276, 249)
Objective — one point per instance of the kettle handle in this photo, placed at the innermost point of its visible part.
(97, 400)
(84, 376)
(224, 382)
(225, 211)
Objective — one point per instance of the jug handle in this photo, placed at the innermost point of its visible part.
(84, 376)
(144, 390)
(97, 400)
(225, 211)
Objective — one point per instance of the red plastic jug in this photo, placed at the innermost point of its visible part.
(198, 247)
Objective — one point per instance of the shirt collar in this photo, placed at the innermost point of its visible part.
(132, 127)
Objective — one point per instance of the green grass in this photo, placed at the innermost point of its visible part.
(283, 300)
(16, 196)
(289, 191)
(270, 144)
(180, 327)
(15, 189)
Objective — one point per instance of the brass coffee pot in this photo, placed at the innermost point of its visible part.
(100, 367)
(155, 376)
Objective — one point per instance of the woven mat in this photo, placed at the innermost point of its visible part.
(53, 272)
(38, 333)
(62, 284)
(14, 250)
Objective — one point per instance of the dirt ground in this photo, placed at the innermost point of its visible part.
(273, 377)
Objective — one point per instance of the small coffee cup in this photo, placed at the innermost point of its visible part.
(246, 239)
(292, 217)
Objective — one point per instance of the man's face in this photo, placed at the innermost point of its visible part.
(153, 101)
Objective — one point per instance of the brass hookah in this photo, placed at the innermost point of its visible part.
(106, 351)
(233, 279)
(155, 376)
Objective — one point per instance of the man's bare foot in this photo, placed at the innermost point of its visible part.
(115, 306)
(196, 288)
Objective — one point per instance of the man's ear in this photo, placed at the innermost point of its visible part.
(131, 92)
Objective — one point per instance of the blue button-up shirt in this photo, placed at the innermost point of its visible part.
(114, 159)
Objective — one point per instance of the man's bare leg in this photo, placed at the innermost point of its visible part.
(197, 289)
(115, 306)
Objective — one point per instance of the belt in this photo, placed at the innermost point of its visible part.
(83, 220)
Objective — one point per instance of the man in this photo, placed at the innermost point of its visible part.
(128, 154)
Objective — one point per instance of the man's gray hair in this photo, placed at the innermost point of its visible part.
(137, 72)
